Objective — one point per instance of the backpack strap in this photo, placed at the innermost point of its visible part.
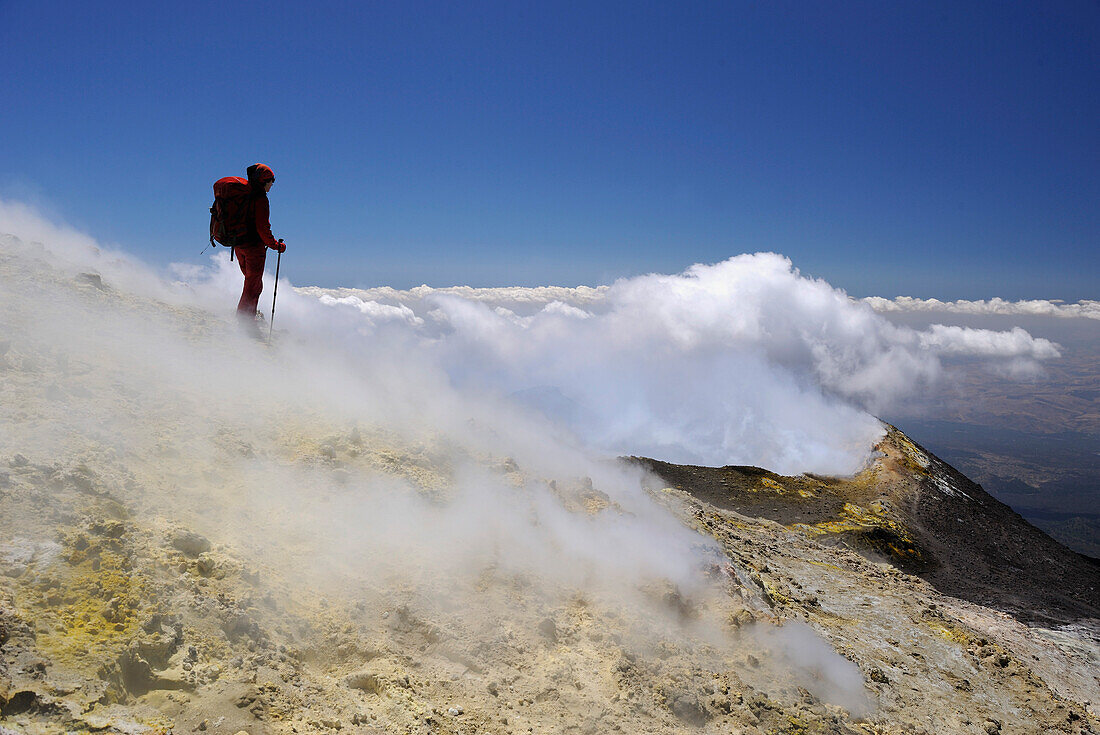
(213, 216)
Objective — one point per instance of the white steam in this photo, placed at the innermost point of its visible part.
(108, 365)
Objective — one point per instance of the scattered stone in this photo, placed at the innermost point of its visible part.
(549, 629)
(19, 461)
(250, 699)
(108, 528)
(741, 618)
(205, 565)
(190, 542)
(16, 557)
(688, 708)
(748, 717)
(92, 279)
(364, 681)
(80, 478)
(454, 711)
(151, 624)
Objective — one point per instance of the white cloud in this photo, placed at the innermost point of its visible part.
(1084, 309)
(375, 311)
(1015, 343)
(513, 297)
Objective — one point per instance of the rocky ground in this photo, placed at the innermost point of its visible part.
(115, 622)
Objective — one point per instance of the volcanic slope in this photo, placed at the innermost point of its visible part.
(914, 511)
(170, 564)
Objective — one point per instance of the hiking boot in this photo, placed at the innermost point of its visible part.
(253, 326)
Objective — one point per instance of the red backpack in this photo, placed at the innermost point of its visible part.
(229, 213)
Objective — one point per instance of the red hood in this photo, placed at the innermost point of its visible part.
(259, 174)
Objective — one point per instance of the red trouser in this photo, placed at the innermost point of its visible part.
(251, 259)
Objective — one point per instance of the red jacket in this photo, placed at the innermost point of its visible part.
(259, 230)
(262, 222)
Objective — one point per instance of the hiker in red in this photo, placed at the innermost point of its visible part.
(252, 252)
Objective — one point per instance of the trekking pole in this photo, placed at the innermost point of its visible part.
(274, 295)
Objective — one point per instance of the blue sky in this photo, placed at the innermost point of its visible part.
(932, 149)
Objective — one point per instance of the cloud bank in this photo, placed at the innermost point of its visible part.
(740, 362)
(1084, 309)
(517, 297)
